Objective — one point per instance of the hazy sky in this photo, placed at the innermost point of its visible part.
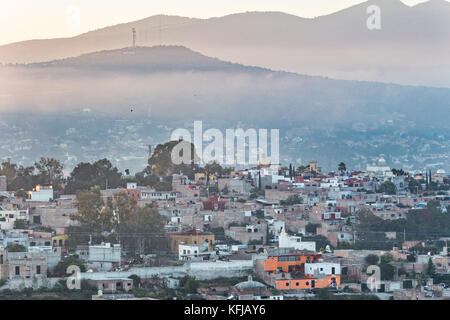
(38, 19)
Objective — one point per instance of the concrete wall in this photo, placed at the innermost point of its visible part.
(20, 284)
(200, 270)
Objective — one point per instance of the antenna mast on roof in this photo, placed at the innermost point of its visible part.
(134, 38)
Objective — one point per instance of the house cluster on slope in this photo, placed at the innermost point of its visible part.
(285, 231)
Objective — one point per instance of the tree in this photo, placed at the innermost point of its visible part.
(60, 269)
(87, 175)
(324, 294)
(225, 190)
(161, 164)
(92, 211)
(372, 259)
(136, 280)
(15, 247)
(387, 271)
(399, 172)
(20, 224)
(388, 188)
(259, 180)
(214, 167)
(311, 227)
(431, 268)
(50, 172)
(93, 217)
(342, 168)
(291, 200)
(140, 229)
(18, 177)
(414, 186)
(189, 284)
(386, 258)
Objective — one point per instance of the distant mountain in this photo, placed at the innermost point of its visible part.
(411, 48)
(174, 81)
(114, 103)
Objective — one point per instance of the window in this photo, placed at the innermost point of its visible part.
(17, 271)
(38, 269)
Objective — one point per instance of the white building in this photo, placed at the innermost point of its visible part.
(150, 194)
(131, 185)
(194, 252)
(104, 256)
(287, 241)
(322, 268)
(276, 227)
(41, 194)
(8, 217)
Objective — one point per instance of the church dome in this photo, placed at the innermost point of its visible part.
(250, 284)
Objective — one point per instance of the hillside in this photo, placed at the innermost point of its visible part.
(411, 47)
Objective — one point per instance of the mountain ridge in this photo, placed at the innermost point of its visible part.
(409, 49)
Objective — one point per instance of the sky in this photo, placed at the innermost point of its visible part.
(31, 19)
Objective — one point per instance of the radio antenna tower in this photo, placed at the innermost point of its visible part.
(134, 38)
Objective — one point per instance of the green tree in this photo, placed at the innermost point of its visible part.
(341, 167)
(50, 172)
(387, 271)
(372, 259)
(15, 247)
(60, 269)
(431, 268)
(414, 186)
(20, 224)
(161, 164)
(291, 200)
(136, 280)
(225, 190)
(324, 294)
(140, 229)
(388, 188)
(189, 284)
(93, 217)
(312, 227)
(87, 175)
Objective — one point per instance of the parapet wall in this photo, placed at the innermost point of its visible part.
(200, 270)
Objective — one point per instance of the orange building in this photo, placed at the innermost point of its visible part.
(290, 269)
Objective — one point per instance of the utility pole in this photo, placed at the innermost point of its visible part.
(404, 235)
(160, 29)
